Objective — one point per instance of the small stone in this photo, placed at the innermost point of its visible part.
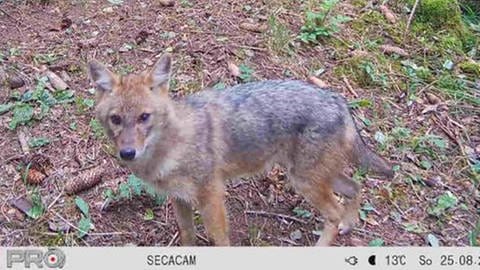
(108, 10)
(296, 235)
(148, 62)
(249, 53)
(433, 181)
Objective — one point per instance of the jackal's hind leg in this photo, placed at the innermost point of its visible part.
(320, 195)
(351, 191)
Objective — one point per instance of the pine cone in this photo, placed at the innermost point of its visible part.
(40, 163)
(84, 180)
(35, 177)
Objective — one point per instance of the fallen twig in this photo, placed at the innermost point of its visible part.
(410, 18)
(90, 233)
(263, 213)
(349, 87)
(174, 238)
(11, 17)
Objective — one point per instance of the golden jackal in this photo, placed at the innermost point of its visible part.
(188, 147)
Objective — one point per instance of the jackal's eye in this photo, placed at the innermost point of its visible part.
(143, 117)
(115, 119)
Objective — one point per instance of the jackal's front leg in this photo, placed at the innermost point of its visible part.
(212, 207)
(184, 215)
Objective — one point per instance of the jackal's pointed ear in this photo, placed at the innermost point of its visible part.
(160, 74)
(102, 78)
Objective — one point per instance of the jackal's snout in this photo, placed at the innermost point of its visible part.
(127, 153)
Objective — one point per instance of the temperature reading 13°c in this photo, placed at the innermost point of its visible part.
(396, 259)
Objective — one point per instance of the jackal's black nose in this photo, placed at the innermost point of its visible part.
(127, 153)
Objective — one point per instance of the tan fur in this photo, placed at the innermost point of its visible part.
(188, 148)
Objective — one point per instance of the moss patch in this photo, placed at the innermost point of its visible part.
(439, 13)
(470, 67)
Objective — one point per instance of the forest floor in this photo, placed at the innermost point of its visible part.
(414, 92)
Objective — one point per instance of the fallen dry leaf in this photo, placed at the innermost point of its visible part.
(234, 70)
(318, 82)
(435, 108)
(22, 204)
(370, 220)
(13, 213)
(58, 226)
(56, 81)
(389, 49)
(16, 82)
(167, 3)
(88, 43)
(253, 27)
(389, 15)
(432, 99)
(23, 140)
(359, 53)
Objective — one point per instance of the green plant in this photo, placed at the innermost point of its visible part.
(115, 2)
(15, 52)
(474, 234)
(185, 3)
(360, 103)
(84, 104)
(415, 227)
(457, 89)
(34, 104)
(149, 215)
(364, 210)
(300, 212)
(245, 73)
(85, 223)
(38, 142)
(322, 23)
(22, 114)
(371, 74)
(133, 187)
(359, 174)
(377, 242)
(37, 206)
(73, 126)
(126, 69)
(219, 86)
(444, 202)
(48, 58)
(280, 40)
(96, 128)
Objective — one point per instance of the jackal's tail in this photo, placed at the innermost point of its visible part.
(366, 158)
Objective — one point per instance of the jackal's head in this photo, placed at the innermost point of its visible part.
(134, 109)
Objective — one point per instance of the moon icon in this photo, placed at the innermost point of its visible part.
(372, 259)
